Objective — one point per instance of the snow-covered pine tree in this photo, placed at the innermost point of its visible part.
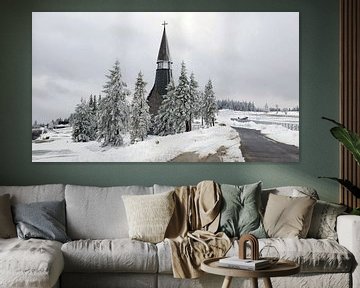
(113, 112)
(140, 116)
(209, 105)
(93, 116)
(164, 122)
(82, 123)
(183, 103)
(195, 101)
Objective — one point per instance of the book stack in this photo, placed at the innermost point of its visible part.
(248, 264)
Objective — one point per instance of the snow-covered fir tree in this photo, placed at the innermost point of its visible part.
(140, 116)
(195, 100)
(164, 122)
(209, 108)
(113, 109)
(183, 103)
(82, 122)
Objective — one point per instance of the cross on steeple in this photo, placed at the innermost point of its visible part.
(164, 24)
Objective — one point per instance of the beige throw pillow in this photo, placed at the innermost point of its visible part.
(7, 226)
(149, 215)
(288, 217)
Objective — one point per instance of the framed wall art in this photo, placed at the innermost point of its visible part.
(165, 87)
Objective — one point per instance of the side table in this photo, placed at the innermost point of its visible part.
(281, 268)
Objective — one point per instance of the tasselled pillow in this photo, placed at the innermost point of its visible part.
(149, 215)
(323, 222)
(288, 217)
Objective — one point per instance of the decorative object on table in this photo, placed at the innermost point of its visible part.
(269, 253)
(351, 142)
(254, 246)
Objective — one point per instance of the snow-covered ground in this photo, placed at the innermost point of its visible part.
(203, 141)
(273, 125)
(153, 149)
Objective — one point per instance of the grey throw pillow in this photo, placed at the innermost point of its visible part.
(323, 222)
(44, 220)
(240, 213)
(7, 227)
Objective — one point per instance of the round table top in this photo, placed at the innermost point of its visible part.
(281, 268)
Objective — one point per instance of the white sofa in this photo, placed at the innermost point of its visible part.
(101, 254)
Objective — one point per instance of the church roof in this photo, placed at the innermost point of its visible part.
(164, 52)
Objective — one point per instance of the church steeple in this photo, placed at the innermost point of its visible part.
(164, 59)
(163, 75)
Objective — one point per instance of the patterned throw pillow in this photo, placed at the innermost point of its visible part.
(149, 215)
(323, 223)
(288, 217)
(240, 213)
(7, 226)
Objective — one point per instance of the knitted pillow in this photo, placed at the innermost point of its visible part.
(149, 215)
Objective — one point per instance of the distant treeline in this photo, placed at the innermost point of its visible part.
(249, 106)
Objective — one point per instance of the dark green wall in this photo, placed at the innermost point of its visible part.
(318, 96)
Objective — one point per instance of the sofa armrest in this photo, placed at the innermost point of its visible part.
(348, 230)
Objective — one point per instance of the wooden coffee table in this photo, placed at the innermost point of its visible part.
(281, 268)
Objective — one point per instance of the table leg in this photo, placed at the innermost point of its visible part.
(267, 283)
(254, 282)
(227, 282)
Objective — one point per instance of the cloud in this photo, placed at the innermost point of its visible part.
(249, 56)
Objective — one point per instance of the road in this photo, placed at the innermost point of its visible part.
(256, 147)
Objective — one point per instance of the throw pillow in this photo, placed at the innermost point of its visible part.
(7, 227)
(240, 213)
(288, 217)
(149, 215)
(323, 222)
(43, 220)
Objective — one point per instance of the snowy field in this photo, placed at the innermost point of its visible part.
(203, 141)
(275, 126)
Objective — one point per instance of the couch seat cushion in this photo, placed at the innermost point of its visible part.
(116, 255)
(313, 255)
(30, 263)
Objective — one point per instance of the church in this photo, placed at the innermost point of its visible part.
(163, 75)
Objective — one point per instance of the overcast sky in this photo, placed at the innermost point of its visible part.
(248, 56)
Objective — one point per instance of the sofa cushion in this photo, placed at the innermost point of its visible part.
(35, 193)
(287, 216)
(313, 255)
(98, 213)
(149, 215)
(43, 220)
(240, 210)
(117, 255)
(30, 263)
(7, 226)
(323, 222)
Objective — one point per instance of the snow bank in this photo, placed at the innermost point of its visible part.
(204, 141)
(270, 124)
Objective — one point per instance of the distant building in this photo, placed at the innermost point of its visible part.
(163, 75)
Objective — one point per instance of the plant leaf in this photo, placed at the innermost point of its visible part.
(349, 139)
(347, 184)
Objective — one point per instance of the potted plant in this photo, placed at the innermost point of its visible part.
(351, 141)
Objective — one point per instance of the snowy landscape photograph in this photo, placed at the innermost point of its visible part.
(165, 87)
